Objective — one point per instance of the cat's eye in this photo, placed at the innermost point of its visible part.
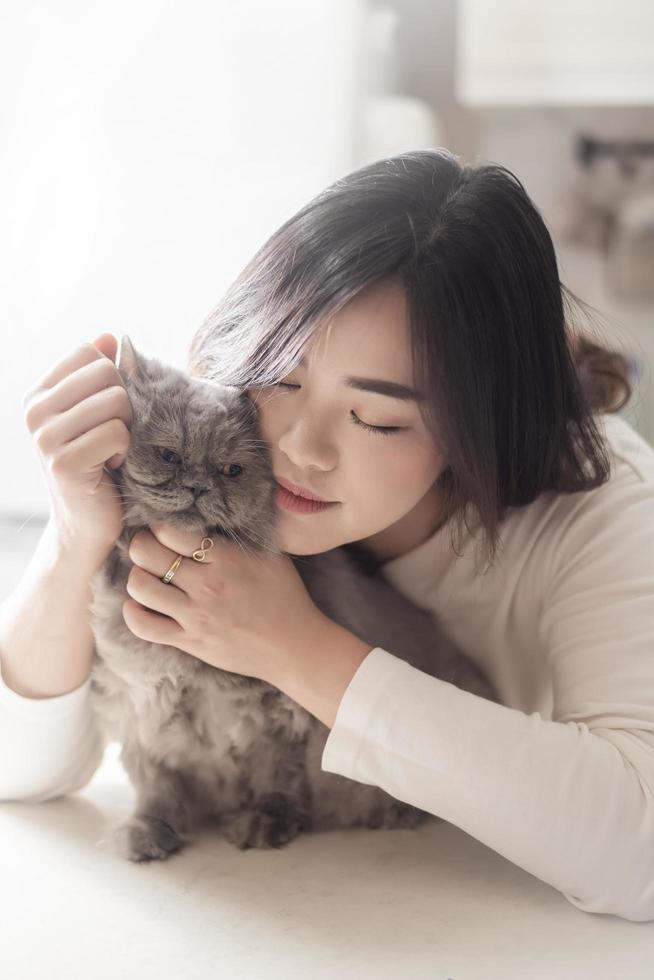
(231, 469)
(170, 456)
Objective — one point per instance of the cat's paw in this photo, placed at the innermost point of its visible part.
(145, 838)
(274, 822)
(401, 815)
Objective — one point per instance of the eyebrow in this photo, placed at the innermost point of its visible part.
(392, 389)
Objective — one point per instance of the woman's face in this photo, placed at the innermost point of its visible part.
(382, 482)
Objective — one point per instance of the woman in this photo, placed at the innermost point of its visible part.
(405, 340)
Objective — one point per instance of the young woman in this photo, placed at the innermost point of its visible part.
(412, 356)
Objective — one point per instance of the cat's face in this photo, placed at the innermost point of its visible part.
(196, 458)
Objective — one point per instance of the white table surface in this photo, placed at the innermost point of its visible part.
(430, 903)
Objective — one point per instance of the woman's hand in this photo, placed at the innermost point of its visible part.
(238, 610)
(79, 415)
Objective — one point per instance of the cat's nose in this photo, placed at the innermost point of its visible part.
(198, 488)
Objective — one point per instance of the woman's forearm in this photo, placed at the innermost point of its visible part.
(46, 644)
(318, 668)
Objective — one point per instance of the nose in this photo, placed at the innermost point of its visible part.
(198, 487)
(304, 443)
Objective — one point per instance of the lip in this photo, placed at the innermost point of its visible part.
(301, 491)
(296, 504)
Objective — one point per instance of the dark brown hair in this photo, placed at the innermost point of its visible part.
(513, 383)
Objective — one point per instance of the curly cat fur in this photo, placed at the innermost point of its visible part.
(199, 743)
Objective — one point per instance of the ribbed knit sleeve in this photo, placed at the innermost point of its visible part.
(48, 746)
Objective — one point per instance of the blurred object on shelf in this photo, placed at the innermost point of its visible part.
(609, 173)
(630, 259)
(636, 369)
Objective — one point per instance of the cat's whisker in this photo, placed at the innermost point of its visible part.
(242, 544)
(236, 540)
(264, 547)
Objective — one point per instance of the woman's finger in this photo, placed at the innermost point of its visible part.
(152, 626)
(156, 558)
(81, 356)
(147, 553)
(154, 594)
(187, 542)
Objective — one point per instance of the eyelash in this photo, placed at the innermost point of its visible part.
(382, 430)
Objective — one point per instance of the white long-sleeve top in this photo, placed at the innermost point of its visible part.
(559, 777)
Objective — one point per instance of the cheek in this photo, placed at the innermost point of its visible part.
(386, 472)
(394, 475)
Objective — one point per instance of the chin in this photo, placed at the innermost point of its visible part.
(298, 545)
(185, 520)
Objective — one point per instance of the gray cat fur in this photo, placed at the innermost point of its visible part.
(202, 744)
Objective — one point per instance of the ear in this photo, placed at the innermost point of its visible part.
(130, 364)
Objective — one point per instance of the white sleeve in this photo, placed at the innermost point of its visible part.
(569, 799)
(48, 746)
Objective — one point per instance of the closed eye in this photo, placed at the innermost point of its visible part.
(383, 430)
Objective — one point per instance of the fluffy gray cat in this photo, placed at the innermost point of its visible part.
(202, 744)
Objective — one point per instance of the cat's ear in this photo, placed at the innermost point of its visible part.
(131, 366)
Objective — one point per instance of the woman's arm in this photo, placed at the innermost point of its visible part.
(570, 799)
(46, 643)
(568, 805)
(317, 672)
(49, 743)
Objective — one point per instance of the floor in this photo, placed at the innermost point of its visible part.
(426, 904)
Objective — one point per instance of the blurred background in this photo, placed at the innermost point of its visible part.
(148, 149)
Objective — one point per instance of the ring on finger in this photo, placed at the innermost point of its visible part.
(201, 553)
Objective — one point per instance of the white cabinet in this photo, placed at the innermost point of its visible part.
(563, 52)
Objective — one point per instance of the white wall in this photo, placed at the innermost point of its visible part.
(147, 149)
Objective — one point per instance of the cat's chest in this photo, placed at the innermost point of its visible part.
(210, 722)
(175, 706)
(186, 719)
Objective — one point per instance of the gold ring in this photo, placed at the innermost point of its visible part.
(201, 553)
(173, 568)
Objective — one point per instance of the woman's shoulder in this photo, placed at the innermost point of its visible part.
(611, 525)
(558, 527)
(631, 478)
(627, 496)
